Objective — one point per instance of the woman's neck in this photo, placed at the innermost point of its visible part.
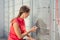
(22, 16)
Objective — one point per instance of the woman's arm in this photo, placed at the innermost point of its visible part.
(18, 31)
(29, 37)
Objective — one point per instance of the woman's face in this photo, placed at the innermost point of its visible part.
(26, 15)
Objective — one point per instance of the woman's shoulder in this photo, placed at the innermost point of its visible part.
(14, 20)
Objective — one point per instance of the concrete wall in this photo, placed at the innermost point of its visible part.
(1, 18)
(41, 9)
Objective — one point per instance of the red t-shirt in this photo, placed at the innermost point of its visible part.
(21, 23)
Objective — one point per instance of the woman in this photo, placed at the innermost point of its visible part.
(17, 27)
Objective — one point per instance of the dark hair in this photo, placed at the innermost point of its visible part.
(23, 9)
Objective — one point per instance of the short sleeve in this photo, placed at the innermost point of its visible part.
(15, 21)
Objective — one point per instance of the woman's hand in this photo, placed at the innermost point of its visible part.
(33, 29)
(30, 38)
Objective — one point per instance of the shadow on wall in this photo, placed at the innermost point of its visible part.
(42, 32)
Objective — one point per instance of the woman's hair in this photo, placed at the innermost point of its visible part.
(23, 9)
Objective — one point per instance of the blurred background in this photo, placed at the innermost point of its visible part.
(46, 10)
